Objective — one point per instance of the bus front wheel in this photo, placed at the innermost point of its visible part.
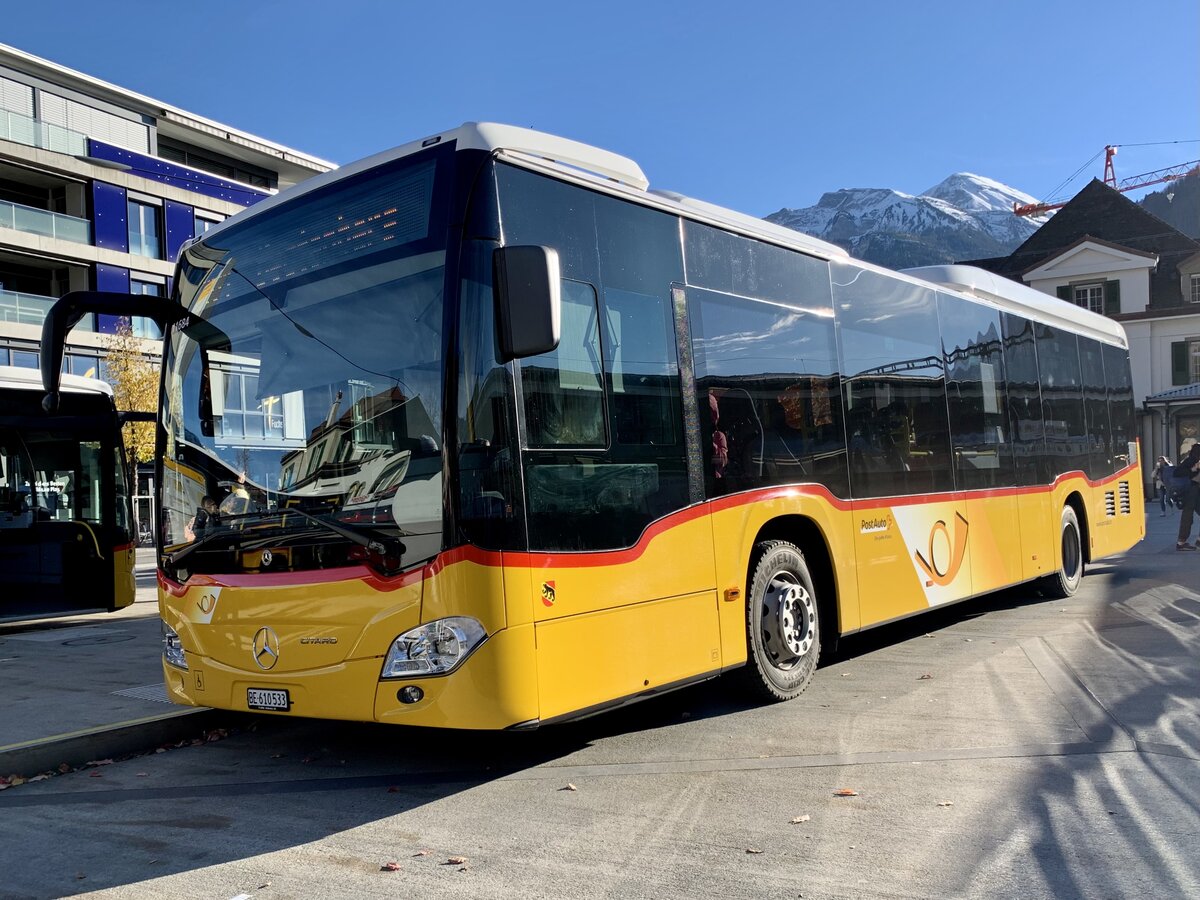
(783, 634)
(1065, 582)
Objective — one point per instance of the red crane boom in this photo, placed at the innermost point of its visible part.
(1146, 179)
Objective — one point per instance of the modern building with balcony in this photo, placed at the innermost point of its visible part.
(100, 187)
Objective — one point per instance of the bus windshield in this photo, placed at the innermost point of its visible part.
(309, 375)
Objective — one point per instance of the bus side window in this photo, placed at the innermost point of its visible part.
(1024, 401)
(768, 393)
(564, 396)
(1120, 403)
(1095, 402)
(895, 384)
(1062, 399)
(976, 388)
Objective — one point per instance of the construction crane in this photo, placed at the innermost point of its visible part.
(1146, 179)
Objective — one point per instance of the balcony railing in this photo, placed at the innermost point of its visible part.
(36, 133)
(28, 309)
(44, 222)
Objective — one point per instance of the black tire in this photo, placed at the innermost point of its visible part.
(1065, 582)
(783, 626)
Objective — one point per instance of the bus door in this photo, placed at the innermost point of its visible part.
(58, 548)
(625, 594)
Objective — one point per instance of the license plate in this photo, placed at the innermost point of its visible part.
(264, 698)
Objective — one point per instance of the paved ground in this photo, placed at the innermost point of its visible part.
(1053, 750)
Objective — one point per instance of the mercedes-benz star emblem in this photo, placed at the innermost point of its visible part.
(266, 558)
(265, 648)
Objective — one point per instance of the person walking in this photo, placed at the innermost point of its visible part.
(1189, 466)
(1159, 479)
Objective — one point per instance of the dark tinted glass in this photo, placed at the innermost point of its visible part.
(489, 510)
(768, 389)
(975, 389)
(1095, 403)
(1024, 401)
(895, 387)
(733, 264)
(604, 450)
(564, 397)
(1062, 400)
(1120, 403)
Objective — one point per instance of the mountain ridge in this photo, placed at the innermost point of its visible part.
(963, 216)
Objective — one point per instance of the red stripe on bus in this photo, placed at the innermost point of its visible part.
(595, 558)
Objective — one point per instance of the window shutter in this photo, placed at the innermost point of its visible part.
(1179, 363)
(1064, 293)
(1112, 298)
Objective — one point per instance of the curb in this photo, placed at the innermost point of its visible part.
(106, 741)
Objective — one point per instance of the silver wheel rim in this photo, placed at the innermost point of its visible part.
(788, 620)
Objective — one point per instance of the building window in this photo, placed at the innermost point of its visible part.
(1193, 361)
(25, 359)
(1194, 294)
(243, 415)
(1089, 296)
(144, 229)
(143, 327)
(85, 366)
(204, 222)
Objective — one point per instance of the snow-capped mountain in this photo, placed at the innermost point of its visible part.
(963, 217)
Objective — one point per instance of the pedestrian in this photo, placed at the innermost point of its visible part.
(1189, 466)
(1159, 478)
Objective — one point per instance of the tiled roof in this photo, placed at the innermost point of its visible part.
(1175, 395)
(1100, 212)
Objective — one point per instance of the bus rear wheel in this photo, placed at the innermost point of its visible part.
(783, 634)
(1065, 582)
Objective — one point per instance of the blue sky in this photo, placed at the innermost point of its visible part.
(753, 105)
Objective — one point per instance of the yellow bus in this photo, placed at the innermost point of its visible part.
(491, 435)
(66, 522)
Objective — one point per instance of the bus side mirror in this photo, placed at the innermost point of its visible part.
(527, 286)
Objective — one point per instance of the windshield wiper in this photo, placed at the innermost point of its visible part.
(231, 537)
(381, 545)
(375, 541)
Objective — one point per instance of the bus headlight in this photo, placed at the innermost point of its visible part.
(433, 649)
(172, 647)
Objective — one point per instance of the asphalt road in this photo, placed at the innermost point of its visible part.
(1012, 746)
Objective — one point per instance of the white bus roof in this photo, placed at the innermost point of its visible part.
(31, 379)
(1017, 298)
(615, 174)
(572, 160)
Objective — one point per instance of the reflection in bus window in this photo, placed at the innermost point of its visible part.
(302, 384)
(895, 385)
(767, 383)
(976, 387)
(564, 400)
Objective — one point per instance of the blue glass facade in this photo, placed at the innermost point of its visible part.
(110, 226)
(182, 177)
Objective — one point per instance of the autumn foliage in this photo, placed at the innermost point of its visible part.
(134, 380)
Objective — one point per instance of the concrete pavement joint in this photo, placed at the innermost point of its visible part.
(1092, 717)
